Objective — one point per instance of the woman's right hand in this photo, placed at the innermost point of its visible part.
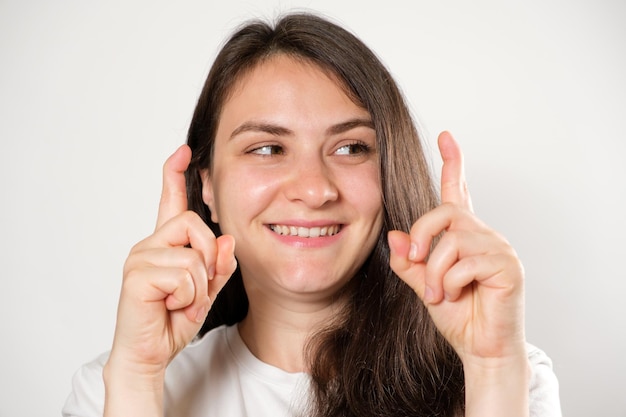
(170, 281)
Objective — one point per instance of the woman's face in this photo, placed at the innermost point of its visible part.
(295, 180)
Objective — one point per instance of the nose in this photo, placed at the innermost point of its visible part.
(311, 183)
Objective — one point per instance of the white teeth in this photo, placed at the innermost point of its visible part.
(305, 231)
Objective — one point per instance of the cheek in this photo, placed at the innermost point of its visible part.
(365, 192)
(242, 193)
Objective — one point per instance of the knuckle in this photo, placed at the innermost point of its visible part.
(131, 279)
(140, 246)
(193, 258)
(517, 268)
(189, 216)
(469, 266)
(449, 241)
(185, 279)
(433, 277)
(130, 274)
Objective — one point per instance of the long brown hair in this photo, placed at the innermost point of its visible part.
(383, 356)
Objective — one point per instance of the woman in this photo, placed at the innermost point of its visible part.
(288, 230)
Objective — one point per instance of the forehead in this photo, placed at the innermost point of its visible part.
(293, 93)
(280, 72)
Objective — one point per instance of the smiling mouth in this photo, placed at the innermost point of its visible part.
(310, 232)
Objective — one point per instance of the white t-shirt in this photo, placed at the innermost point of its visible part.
(218, 376)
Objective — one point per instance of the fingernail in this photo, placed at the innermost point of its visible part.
(201, 314)
(211, 272)
(413, 251)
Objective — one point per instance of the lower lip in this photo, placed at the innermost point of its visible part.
(307, 242)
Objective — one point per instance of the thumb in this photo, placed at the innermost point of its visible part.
(225, 265)
(411, 272)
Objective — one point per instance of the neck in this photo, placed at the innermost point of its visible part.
(276, 330)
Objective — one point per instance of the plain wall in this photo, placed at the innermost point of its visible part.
(95, 95)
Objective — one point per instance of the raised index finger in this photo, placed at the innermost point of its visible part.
(453, 185)
(174, 194)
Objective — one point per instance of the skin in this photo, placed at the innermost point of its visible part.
(472, 283)
(290, 150)
(304, 172)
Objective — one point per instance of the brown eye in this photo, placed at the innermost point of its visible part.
(268, 150)
(355, 148)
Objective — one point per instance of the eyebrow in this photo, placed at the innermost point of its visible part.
(270, 128)
(349, 125)
(277, 130)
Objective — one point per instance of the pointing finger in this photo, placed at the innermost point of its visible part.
(453, 184)
(174, 193)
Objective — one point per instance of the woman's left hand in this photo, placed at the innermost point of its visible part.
(472, 280)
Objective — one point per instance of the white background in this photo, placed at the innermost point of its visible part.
(94, 97)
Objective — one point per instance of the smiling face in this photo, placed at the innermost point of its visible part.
(295, 180)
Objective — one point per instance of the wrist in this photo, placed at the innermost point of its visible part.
(494, 367)
(126, 362)
(497, 386)
(137, 377)
(132, 389)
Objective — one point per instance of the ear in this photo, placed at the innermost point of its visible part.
(207, 194)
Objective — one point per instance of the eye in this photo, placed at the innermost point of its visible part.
(267, 150)
(356, 148)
